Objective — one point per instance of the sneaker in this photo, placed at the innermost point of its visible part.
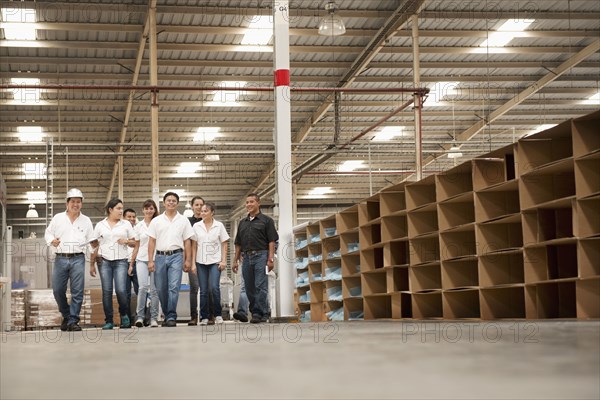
(256, 320)
(171, 323)
(64, 324)
(163, 323)
(204, 321)
(240, 317)
(74, 327)
(139, 323)
(265, 320)
(211, 321)
(153, 323)
(125, 322)
(193, 322)
(107, 326)
(219, 320)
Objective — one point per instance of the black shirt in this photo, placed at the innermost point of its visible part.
(193, 220)
(256, 234)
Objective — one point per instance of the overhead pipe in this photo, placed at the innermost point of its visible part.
(159, 88)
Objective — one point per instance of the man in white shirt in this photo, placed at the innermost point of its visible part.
(69, 233)
(169, 234)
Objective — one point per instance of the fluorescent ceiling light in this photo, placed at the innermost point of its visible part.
(319, 191)
(34, 170)
(188, 168)
(505, 33)
(36, 197)
(206, 133)
(32, 212)
(388, 133)
(350, 165)
(19, 23)
(30, 133)
(260, 31)
(454, 152)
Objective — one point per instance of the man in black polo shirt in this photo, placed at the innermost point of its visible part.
(256, 239)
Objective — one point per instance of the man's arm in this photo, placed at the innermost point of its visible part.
(270, 260)
(236, 258)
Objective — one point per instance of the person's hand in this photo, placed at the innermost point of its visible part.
(122, 241)
(234, 267)
(194, 270)
(55, 242)
(222, 266)
(186, 266)
(92, 269)
(151, 266)
(270, 264)
(130, 270)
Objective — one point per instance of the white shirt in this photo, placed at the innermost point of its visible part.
(74, 237)
(169, 234)
(108, 237)
(209, 242)
(141, 230)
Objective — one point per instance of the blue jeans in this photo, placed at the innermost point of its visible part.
(169, 270)
(257, 283)
(114, 270)
(242, 307)
(147, 286)
(209, 278)
(131, 280)
(64, 269)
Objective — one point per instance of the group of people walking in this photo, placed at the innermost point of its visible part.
(157, 251)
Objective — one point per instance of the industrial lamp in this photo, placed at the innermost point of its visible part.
(331, 25)
(32, 212)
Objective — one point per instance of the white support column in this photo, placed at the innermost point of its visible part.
(154, 105)
(283, 155)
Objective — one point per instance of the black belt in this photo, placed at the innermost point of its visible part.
(252, 252)
(169, 252)
(68, 255)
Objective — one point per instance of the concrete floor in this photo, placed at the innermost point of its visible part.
(383, 359)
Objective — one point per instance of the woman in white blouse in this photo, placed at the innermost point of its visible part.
(114, 235)
(209, 250)
(145, 277)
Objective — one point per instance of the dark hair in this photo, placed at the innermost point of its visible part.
(256, 196)
(129, 210)
(151, 203)
(196, 198)
(112, 203)
(210, 205)
(171, 194)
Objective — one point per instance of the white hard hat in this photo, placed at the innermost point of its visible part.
(74, 193)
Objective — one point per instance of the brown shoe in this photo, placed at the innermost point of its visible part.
(211, 321)
(193, 322)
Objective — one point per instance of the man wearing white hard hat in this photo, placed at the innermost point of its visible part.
(69, 233)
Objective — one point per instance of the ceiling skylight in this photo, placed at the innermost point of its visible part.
(506, 32)
(260, 31)
(30, 133)
(388, 133)
(350, 165)
(319, 191)
(18, 23)
(206, 133)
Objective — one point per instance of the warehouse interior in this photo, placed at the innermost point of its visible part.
(390, 101)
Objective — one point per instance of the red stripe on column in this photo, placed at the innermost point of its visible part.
(282, 77)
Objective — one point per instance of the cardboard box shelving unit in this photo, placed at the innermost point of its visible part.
(315, 272)
(301, 253)
(512, 234)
